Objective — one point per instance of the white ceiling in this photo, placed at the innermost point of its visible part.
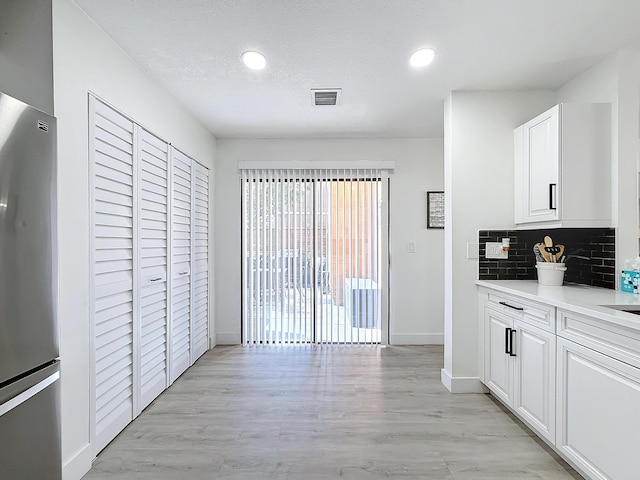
(193, 47)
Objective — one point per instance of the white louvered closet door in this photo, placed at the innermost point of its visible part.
(152, 162)
(113, 271)
(181, 249)
(200, 261)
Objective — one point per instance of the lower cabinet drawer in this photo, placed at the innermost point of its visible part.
(534, 313)
(598, 413)
(610, 339)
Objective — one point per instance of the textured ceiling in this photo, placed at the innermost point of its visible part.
(193, 47)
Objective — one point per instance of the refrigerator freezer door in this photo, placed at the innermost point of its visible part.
(28, 331)
(30, 427)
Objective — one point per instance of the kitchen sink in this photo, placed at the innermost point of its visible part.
(635, 309)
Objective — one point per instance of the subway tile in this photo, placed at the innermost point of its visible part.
(596, 243)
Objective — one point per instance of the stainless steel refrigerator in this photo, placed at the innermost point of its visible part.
(29, 363)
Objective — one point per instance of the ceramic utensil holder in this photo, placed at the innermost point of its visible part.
(550, 273)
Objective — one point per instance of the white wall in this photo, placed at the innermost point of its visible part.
(478, 156)
(416, 279)
(479, 145)
(85, 59)
(26, 67)
(617, 81)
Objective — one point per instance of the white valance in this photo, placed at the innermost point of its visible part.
(380, 165)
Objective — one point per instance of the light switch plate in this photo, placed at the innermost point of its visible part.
(493, 250)
(472, 251)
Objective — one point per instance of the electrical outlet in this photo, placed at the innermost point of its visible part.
(494, 250)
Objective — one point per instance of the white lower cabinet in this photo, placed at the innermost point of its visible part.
(573, 378)
(598, 413)
(535, 387)
(499, 364)
(520, 369)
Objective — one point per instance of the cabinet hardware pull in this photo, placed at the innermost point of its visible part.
(156, 279)
(512, 342)
(183, 273)
(511, 306)
(507, 337)
(552, 196)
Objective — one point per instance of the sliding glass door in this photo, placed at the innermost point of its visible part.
(314, 248)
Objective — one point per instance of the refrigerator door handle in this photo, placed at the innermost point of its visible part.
(27, 394)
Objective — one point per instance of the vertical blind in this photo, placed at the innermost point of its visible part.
(312, 243)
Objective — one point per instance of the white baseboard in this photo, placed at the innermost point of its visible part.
(417, 339)
(231, 338)
(79, 464)
(462, 384)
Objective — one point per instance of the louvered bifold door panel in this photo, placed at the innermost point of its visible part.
(200, 262)
(112, 193)
(153, 192)
(181, 212)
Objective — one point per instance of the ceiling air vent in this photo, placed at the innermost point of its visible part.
(325, 96)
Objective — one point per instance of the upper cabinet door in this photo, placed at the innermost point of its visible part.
(541, 166)
(562, 157)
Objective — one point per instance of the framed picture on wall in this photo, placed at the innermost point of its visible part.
(435, 209)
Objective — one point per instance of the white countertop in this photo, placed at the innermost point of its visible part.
(577, 298)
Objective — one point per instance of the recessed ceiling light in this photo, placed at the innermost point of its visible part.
(254, 60)
(422, 57)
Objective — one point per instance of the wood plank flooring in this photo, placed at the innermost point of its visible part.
(324, 412)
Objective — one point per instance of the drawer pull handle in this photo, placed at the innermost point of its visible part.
(511, 306)
(156, 279)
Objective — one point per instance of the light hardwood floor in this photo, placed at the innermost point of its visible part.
(324, 412)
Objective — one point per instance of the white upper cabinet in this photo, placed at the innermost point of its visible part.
(562, 167)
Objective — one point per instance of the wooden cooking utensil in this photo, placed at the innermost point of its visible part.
(560, 253)
(545, 255)
(548, 244)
